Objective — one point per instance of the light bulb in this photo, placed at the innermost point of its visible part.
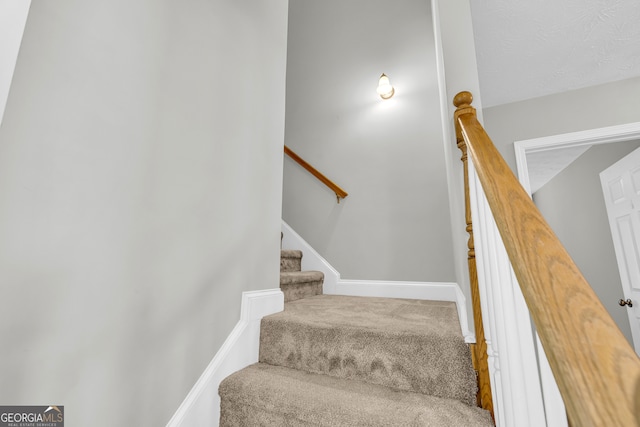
(385, 90)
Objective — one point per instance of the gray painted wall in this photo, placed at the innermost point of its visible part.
(573, 204)
(589, 108)
(140, 194)
(389, 155)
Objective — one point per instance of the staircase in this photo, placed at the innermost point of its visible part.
(330, 360)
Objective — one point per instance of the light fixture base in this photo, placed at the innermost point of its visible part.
(388, 94)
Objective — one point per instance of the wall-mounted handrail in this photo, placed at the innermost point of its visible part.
(340, 193)
(597, 371)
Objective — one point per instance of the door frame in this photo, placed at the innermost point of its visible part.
(606, 135)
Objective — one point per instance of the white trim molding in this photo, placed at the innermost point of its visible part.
(311, 259)
(513, 368)
(606, 135)
(201, 407)
(13, 18)
(453, 167)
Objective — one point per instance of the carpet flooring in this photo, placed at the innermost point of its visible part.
(330, 360)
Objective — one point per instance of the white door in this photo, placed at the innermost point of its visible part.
(621, 187)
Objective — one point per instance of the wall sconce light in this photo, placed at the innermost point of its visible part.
(385, 90)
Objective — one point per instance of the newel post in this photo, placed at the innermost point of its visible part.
(462, 102)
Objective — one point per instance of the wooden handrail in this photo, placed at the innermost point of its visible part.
(597, 371)
(340, 193)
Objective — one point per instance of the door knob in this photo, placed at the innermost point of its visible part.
(627, 302)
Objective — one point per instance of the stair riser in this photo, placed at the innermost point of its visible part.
(412, 363)
(290, 260)
(290, 264)
(296, 291)
(235, 414)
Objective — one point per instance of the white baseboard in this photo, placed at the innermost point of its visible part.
(311, 260)
(201, 407)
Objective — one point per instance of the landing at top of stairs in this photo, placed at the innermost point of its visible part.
(382, 314)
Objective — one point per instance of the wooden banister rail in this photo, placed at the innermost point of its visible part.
(340, 193)
(597, 371)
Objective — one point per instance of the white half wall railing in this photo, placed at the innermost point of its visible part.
(513, 366)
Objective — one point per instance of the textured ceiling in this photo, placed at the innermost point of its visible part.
(545, 165)
(527, 49)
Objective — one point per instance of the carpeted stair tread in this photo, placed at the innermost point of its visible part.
(290, 260)
(265, 395)
(411, 345)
